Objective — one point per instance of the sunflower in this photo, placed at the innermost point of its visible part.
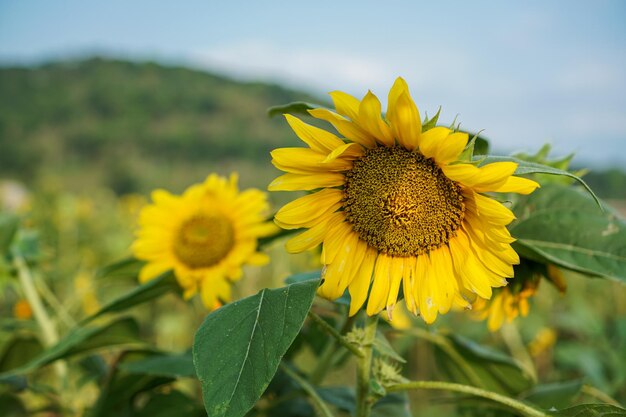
(505, 306)
(396, 205)
(205, 236)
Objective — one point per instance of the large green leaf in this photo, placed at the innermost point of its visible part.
(173, 366)
(591, 410)
(238, 347)
(562, 225)
(155, 288)
(84, 339)
(526, 167)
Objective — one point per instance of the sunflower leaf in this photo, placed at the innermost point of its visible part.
(238, 348)
(526, 167)
(297, 107)
(152, 289)
(591, 410)
(562, 225)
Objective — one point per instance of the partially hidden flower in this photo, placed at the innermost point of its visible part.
(506, 305)
(396, 205)
(205, 236)
(22, 310)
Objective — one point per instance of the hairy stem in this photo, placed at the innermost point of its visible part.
(334, 333)
(364, 369)
(466, 389)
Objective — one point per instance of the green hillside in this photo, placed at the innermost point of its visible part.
(135, 126)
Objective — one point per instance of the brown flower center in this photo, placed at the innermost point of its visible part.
(204, 240)
(401, 202)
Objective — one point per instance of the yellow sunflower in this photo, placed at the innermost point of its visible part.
(205, 236)
(505, 306)
(395, 206)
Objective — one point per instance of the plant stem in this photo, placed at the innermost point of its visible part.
(319, 404)
(364, 369)
(478, 392)
(49, 333)
(334, 333)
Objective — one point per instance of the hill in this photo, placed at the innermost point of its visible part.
(135, 126)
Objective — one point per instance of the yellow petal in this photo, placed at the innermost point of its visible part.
(294, 182)
(346, 104)
(469, 268)
(305, 211)
(346, 152)
(153, 270)
(425, 289)
(517, 185)
(494, 211)
(258, 259)
(370, 118)
(431, 140)
(337, 276)
(403, 115)
(481, 179)
(445, 278)
(360, 284)
(496, 314)
(314, 236)
(318, 139)
(450, 148)
(380, 286)
(408, 284)
(347, 129)
(334, 240)
(396, 272)
(306, 161)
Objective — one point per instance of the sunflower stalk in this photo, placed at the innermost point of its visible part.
(467, 389)
(364, 400)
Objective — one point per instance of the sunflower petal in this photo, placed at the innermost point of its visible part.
(517, 185)
(370, 118)
(360, 285)
(295, 182)
(306, 210)
(318, 139)
(432, 139)
(348, 129)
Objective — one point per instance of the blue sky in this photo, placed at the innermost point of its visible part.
(526, 72)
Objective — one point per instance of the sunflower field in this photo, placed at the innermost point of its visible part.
(391, 265)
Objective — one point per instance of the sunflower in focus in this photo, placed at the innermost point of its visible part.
(396, 206)
(205, 236)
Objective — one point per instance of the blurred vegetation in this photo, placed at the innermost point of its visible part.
(134, 126)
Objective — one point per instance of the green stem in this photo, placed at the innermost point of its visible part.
(319, 404)
(49, 333)
(513, 340)
(466, 389)
(364, 369)
(334, 333)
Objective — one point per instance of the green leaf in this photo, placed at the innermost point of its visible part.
(591, 410)
(468, 362)
(382, 347)
(8, 227)
(562, 225)
(173, 366)
(155, 288)
(526, 167)
(19, 351)
(84, 339)
(239, 346)
(296, 107)
(125, 268)
(555, 395)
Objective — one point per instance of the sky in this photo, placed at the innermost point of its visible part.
(525, 72)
